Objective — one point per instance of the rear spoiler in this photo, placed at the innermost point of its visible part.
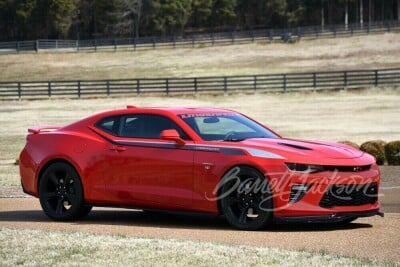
(42, 129)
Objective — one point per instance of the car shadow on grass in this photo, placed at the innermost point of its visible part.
(173, 220)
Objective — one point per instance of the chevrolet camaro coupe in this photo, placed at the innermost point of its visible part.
(195, 159)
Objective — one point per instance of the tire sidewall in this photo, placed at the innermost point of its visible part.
(76, 209)
(265, 216)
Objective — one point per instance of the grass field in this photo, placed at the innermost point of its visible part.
(363, 52)
(41, 248)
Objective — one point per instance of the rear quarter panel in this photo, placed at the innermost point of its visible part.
(83, 150)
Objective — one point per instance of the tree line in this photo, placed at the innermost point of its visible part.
(88, 19)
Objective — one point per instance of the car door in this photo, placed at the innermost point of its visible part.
(146, 170)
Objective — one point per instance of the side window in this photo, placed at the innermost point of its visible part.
(109, 125)
(147, 126)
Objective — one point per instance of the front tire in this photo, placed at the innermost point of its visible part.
(61, 193)
(246, 199)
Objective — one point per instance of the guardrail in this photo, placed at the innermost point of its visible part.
(224, 84)
(209, 39)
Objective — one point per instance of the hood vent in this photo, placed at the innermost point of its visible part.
(294, 146)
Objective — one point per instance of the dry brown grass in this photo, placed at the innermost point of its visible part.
(374, 51)
(42, 248)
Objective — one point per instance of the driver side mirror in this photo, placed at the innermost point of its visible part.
(172, 135)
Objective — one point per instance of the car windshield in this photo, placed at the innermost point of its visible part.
(231, 127)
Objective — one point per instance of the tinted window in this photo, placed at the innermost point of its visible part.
(109, 125)
(227, 127)
(147, 126)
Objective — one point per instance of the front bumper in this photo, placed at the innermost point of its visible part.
(326, 195)
(332, 218)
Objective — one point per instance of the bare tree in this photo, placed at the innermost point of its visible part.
(128, 14)
(398, 10)
(370, 12)
(346, 15)
(323, 13)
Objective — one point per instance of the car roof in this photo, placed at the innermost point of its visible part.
(179, 110)
(166, 111)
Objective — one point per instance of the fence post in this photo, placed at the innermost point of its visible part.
(284, 83)
(174, 41)
(233, 37)
(77, 45)
(138, 86)
(345, 79)
(212, 39)
(252, 36)
(315, 81)
(334, 31)
(79, 89)
(154, 42)
(376, 77)
(195, 85)
(134, 44)
(19, 90)
(49, 89)
(167, 85)
(95, 45)
(17, 46)
(115, 44)
(298, 33)
(37, 46)
(317, 32)
(193, 41)
(57, 44)
(108, 87)
(271, 35)
(255, 82)
(225, 84)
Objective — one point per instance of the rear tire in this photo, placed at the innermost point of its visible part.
(61, 193)
(246, 199)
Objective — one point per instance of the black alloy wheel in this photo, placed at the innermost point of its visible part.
(246, 199)
(61, 193)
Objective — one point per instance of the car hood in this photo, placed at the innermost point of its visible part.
(313, 152)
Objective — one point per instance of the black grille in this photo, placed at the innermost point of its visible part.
(348, 168)
(349, 195)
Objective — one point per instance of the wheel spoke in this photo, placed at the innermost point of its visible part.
(60, 206)
(243, 215)
(49, 195)
(67, 179)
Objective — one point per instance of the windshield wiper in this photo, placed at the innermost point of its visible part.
(235, 140)
(243, 138)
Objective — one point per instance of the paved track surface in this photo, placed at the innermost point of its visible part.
(372, 237)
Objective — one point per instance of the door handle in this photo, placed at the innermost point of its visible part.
(118, 148)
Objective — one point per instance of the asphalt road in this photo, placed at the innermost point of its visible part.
(372, 237)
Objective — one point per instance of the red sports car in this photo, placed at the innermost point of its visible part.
(195, 159)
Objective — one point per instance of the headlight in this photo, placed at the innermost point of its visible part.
(304, 168)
